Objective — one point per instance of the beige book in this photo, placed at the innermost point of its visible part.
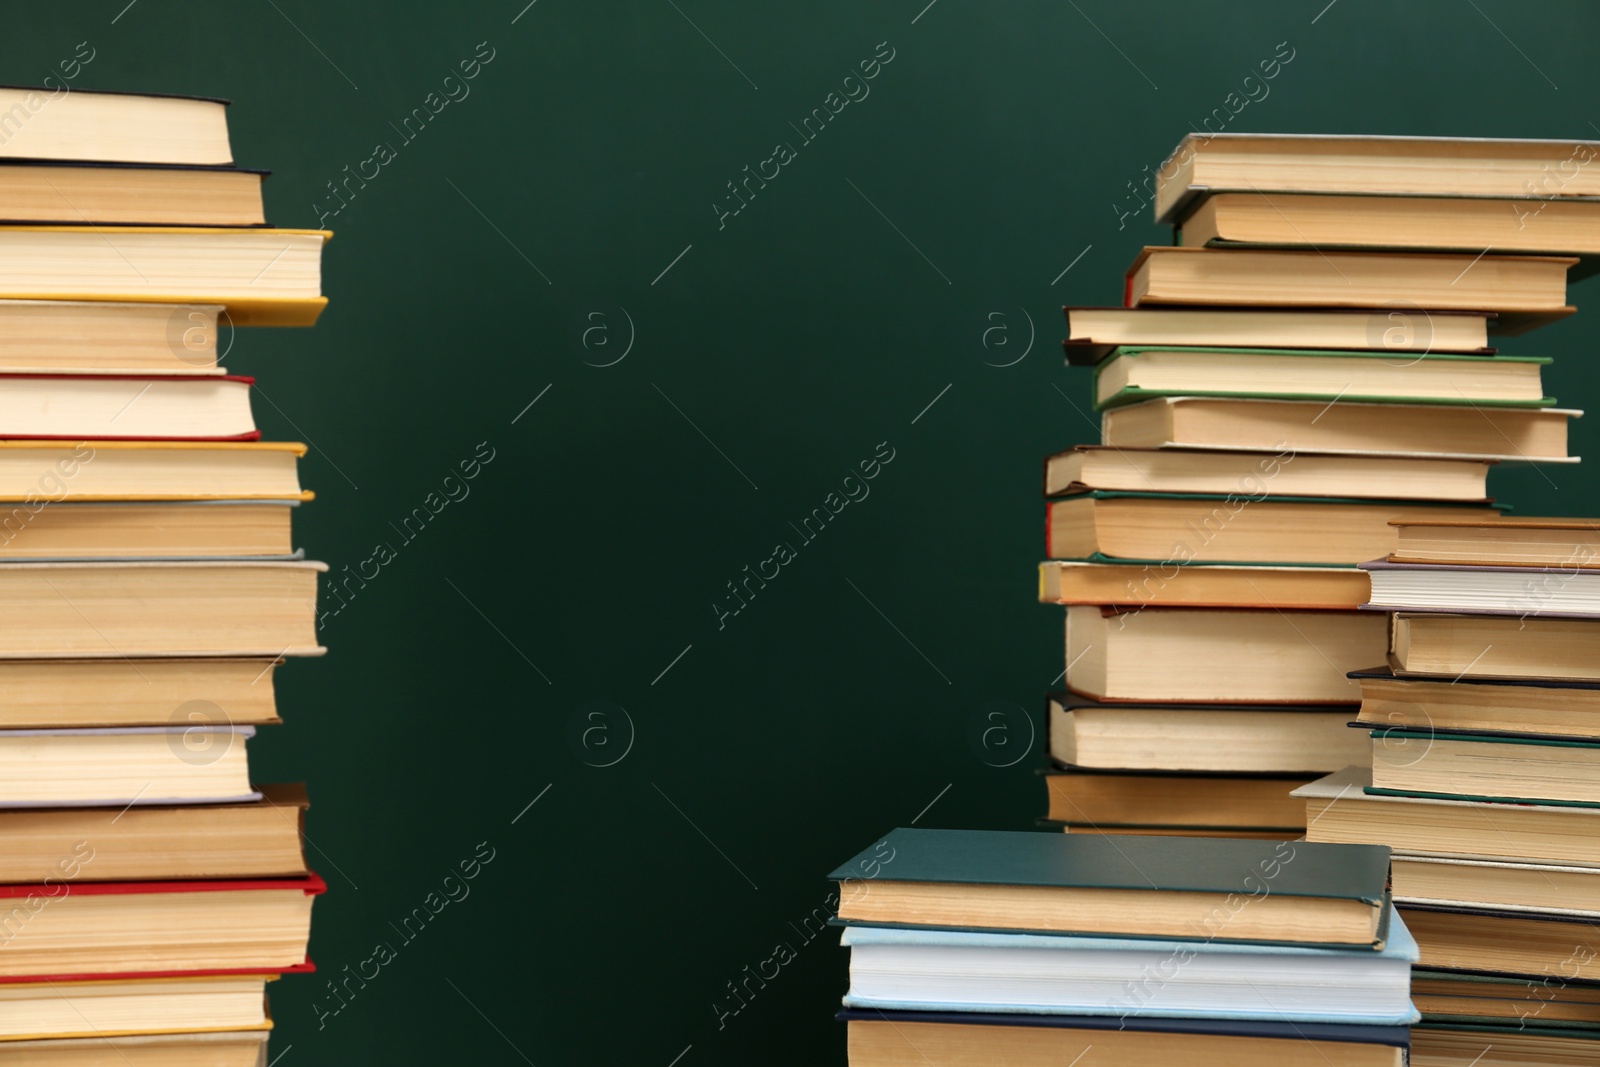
(157, 842)
(126, 1007)
(1154, 470)
(1412, 430)
(161, 608)
(42, 530)
(1495, 646)
(1094, 331)
(1339, 810)
(126, 471)
(103, 927)
(98, 126)
(1203, 738)
(119, 691)
(1188, 655)
(1536, 169)
(1459, 223)
(1533, 285)
(106, 337)
(172, 196)
(246, 1048)
(890, 1043)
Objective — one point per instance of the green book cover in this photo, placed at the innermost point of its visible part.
(1088, 861)
(1416, 794)
(1133, 394)
(1482, 739)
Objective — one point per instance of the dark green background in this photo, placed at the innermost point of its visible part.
(797, 338)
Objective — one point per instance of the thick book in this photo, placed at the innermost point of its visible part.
(1494, 646)
(113, 690)
(1492, 766)
(262, 276)
(161, 608)
(879, 1038)
(1286, 473)
(1535, 170)
(1118, 801)
(1233, 528)
(1553, 591)
(1502, 942)
(52, 1009)
(153, 927)
(1201, 585)
(90, 407)
(1444, 1041)
(1486, 998)
(1570, 544)
(1256, 656)
(1217, 738)
(1339, 809)
(1504, 885)
(107, 337)
(236, 1048)
(1154, 887)
(1529, 706)
(1133, 373)
(1275, 426)
(1561, 225)
(160, 842)
(121, 766)
(192, 529)
(94, 125)
(1533, 286)
(121, 194)
(957, 970)
(1094, 332)
(106, 471)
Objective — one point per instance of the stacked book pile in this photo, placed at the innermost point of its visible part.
(1306, 367)
(149, 891)
(1485, 778)
(972, 948)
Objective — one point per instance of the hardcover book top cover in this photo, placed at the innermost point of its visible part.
(1177, 864)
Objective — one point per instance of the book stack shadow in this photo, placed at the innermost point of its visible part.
(150, 890)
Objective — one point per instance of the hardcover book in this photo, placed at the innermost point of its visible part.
(976, 1039)
(1158, 887)
(950, 970)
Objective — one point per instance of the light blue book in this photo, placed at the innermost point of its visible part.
(952, 970)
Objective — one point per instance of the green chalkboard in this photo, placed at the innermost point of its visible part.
(660, 365)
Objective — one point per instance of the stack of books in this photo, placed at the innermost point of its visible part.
(1307, 366)
(149, 891)
(972, 948)
(1484, 727)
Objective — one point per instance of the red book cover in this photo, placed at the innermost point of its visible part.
(117, 976)
(310, 883)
